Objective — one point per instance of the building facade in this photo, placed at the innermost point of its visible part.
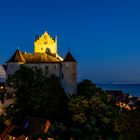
(46, 58)
(2, 74)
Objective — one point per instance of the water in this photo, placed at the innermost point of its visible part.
(133, 89)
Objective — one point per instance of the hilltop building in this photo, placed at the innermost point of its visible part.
(2, 83)
(46, 58)
(2, 74)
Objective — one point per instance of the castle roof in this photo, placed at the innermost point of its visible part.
(4, 66)
(40, 58)
(33, 58)
(2, 70)
(17, 57)
(69, 58)
(2, 75)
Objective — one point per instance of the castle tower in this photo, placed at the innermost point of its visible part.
(14, 62)
(69, 74)
(46, 58)
(45, 44)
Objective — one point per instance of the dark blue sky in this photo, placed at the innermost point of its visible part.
(103, 35)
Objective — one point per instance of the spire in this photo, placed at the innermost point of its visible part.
(17, 57)
(69, 58)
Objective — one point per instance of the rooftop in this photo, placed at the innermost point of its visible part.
(19, 56)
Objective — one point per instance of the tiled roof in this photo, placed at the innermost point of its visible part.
(35, 125)
(69, 58)
(2, 70)
(33, 58)
(40, 58)
(30, 127)
(17, 132)
(5, 67)
(17, 57)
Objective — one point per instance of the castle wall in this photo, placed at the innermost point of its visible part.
(47, 68)
(12, 67)
(65, 69)
(69, 77)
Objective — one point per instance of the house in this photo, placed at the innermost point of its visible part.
(46, 58)
(32, 128)
(2, 83)
(2, 74)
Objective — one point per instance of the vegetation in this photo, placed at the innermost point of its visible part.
(91, 113)
(127, 125)
(87, 115)
(35, 95)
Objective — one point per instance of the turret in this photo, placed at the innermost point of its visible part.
(69, 74)
(14, 62)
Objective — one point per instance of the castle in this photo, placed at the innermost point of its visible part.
(46, 58)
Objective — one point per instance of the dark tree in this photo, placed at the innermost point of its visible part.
(127, 125)
(92, 113)
(35, 95)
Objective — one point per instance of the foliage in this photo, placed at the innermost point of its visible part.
(87, 88)
(91, 112)
(87, 115)
(127, 125)
(35, 95)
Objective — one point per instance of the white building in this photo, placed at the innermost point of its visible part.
(2, 74)
(46, 58)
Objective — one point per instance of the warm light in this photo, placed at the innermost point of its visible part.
(1, 87)
(45, 42)
(123, 105)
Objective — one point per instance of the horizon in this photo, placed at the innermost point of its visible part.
(103, 36)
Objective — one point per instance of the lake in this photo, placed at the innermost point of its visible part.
(133, 89)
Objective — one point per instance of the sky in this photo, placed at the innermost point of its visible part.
(102, 35)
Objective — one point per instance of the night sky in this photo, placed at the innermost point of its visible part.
(103, 35)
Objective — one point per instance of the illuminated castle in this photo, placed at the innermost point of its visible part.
(46, 58)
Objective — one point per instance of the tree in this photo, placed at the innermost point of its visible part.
(87, 88)
(127, 124)
(35, 95)
(91, 113)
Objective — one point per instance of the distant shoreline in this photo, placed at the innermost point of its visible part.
(126, 88)
(117, 83)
